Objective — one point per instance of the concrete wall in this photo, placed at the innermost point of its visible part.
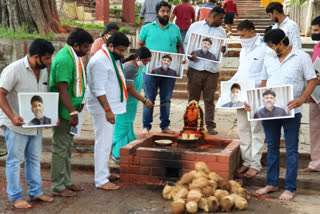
(303, 15)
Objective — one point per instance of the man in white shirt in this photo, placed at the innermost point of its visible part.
(251, 66)
(107, 96)
(202, 74)
(294, 67)
(291, 29)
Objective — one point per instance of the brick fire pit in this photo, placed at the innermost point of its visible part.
(145, 162)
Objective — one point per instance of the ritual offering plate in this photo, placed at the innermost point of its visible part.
(163, 142)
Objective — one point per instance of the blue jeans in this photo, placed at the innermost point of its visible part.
(272, 129)
(151, 85)
(30, 148)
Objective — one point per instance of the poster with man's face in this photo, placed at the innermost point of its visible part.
(166, 64)
(233, 94)
(205, 47)
(270, 103)
(38, 109)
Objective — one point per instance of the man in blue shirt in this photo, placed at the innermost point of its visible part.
(160, 35)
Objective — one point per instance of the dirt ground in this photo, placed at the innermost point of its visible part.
(142, 199)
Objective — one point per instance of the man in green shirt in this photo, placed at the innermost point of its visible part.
(160, 35)
(68, 78)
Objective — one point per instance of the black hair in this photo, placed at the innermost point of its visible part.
(109, 27)
(162, 4)
(275, 36)
(217, 10)
(212, 1)
(79, 36)
(316, 21)
(41, 47)
(235, 85)
(274, 6)
(268, 29)
(246, 25)
(207, 40)
(167, 56)
(142, 52)
(118, 39)
(36, 98)
(267, 92)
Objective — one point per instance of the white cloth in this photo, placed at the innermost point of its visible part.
(251, 63)
(291, 30)
(103, 131)
(102, 80)
(203, 28)
(252, 140)
(295, 69)
(19, 77)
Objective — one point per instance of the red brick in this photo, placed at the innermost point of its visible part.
(225, 175)
(134, 169)
(223, 158)
(158, 171)
(123, 168)
(145, 152)
(145, 170)
(134, 160)
(125, 151)
(124, 159)
(150, 162)
(217, 166)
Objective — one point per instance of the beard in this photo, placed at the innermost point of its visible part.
(163, 20)
(234, 98)
(165, 67)
(268, 106)
(38, 114)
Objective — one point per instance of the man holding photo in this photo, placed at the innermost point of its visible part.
(287, 66)
(202, 74)
(160, 35)
(25, 75)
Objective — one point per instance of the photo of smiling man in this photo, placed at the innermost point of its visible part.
(165, 69)
(204, 51)
(37, 109)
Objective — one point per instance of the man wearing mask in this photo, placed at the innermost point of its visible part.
(109, 29)
(147, 12)
(160, 35)
(251, 133)
(28, 74)
(291, 29)
(314, 108)
(107, 97)
(202, 74)
(67, 77)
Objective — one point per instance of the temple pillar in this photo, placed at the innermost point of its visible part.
(102, 11)
(128, 12)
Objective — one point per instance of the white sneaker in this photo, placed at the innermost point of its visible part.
(145, 131)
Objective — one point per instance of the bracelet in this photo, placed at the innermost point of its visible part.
(73, 113)
(144, 100)
(107, 110)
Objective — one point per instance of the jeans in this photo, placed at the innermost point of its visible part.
(272, 129)
(151, 85)
(183, 34)
(30, 148)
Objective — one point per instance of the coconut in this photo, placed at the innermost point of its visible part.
(239, 202)
(166, 192)
(207, 191)
(203, 204)
(192, 207)
(220, 194)
(213, 203)
(186, 179)
(227, 203)
(215, 177)
(223, 184)
(238, 189)
(194, 195)
(182, 193)
(201, 167)
(178, 207)
(199, 183)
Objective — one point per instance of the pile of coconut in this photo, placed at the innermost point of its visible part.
(202, 189)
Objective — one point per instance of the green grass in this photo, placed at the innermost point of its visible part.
(84, 26)
(22, 33)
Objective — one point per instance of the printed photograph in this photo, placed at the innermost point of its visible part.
(270, 103)
(233, 94)
(166, 64)
(205, 47)
(39, 109)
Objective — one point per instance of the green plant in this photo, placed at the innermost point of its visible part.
(125, 30)
(298, 2)
(117, 11)
(84, 26)
(22, 33)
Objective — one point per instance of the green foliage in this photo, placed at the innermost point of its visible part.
(117, 11)
(84, 26)
(125, 30)
(298, 2)
(22, 33)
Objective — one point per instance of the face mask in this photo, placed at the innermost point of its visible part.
(140, 64)
(315, 36)
(164, 20)
(248, 43)
(271, 52)
(116, 56)
(41, 66)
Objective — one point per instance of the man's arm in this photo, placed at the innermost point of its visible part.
(4, 105)
(140, 44)
(66, 101)
(180, 47)
(172, 17)
(110, 117)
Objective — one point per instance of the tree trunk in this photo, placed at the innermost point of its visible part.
(34, 15)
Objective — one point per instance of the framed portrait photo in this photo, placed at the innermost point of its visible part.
(233, 94)
(38, 109)
(165, 64)
(205, 47)
(270, 103)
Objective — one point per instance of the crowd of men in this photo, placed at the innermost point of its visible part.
(108, 88)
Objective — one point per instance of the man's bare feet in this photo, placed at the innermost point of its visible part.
(21, 204)
(64, 193)
(251, 173)
(286, 195)
(108, 186)
(267, 189)
(75, 188)
(282, 144)
(242, 169)
(307, 170)
(43, 197)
